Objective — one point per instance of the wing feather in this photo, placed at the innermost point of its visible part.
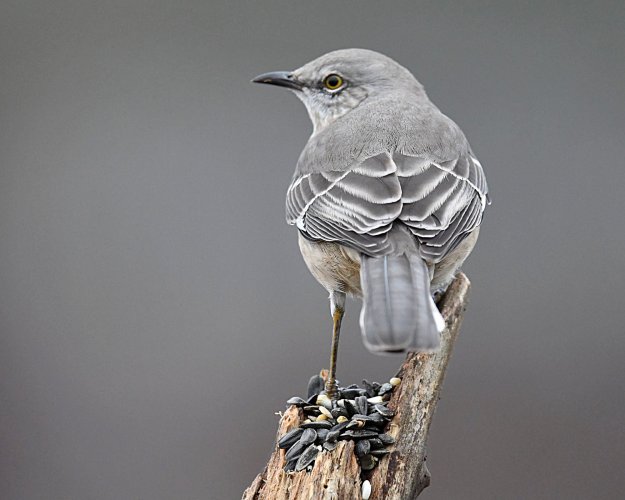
(441, 202)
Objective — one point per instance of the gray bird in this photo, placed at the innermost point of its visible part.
(387, 196)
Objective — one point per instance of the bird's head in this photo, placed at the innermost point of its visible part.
(337, 82)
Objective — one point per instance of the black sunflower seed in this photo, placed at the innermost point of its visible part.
(364, 418)
(369, 388)
(330, 445)
(317, 424)
(351, 407)
(387, 439)
(322, 434)
(361, 405)
(359, 434)
(339, 427)
(290, 465)
(294, 451)
(377, 419)
(337, 412)
(376, 443)
(351, 393)
(379, 453)
(308, 437)
(355, 424)
(363, 447)
(384, 411)
(297, 401)
(368, 462)
(307, 457)
(290, 438)
(385, 389)
(315, 385)
(332, 436)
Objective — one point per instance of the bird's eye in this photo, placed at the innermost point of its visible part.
(332, 82)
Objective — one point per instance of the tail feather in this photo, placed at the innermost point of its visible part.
(398, 313)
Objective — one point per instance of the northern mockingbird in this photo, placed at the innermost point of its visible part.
(387, 196)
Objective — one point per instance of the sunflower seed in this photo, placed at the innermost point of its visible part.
(290, 465)
(361, 405)
(368, 462)
(340, 427)
(363, 447)
(308, 437)
(330, 445)
(369, 388)
(380, 452)
(350, 407)
(315, 385)
(296, 401)
(364, 418)
(337, 412)
(352, 393)
(307, 457)
(385, 389)
(384, 411)
(322, 434)
(332, 435)
(376, 400)
(294, 451)
(387, 439)
(376, 443)
(318, 424)
(355, 424)
(290, 438)
(359, 434)
(377, 419)
(395, 381)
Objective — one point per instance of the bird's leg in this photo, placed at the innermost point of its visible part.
(337, 308)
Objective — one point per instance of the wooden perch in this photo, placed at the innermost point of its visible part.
(402, 474)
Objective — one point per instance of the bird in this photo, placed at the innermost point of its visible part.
(387, 197)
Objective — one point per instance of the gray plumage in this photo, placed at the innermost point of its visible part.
(386, 183)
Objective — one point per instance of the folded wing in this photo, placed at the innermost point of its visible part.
(440, 202)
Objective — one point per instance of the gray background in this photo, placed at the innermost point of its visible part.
(154, 308)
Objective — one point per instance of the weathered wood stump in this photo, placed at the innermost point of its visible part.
(402, 474)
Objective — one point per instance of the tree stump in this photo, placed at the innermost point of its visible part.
(402, 474)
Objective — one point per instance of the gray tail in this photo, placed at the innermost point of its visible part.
(398, 313)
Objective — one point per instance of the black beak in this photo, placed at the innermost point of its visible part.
(279, 78)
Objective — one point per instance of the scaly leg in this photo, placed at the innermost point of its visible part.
(337, 308)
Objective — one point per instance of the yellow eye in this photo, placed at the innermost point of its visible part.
(332, 82)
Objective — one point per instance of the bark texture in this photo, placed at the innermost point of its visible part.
(402, 474)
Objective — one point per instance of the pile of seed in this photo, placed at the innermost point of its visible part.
(359, 414)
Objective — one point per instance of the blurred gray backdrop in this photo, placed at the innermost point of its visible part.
(154, 309)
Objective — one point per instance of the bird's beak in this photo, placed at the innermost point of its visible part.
(281, 79)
